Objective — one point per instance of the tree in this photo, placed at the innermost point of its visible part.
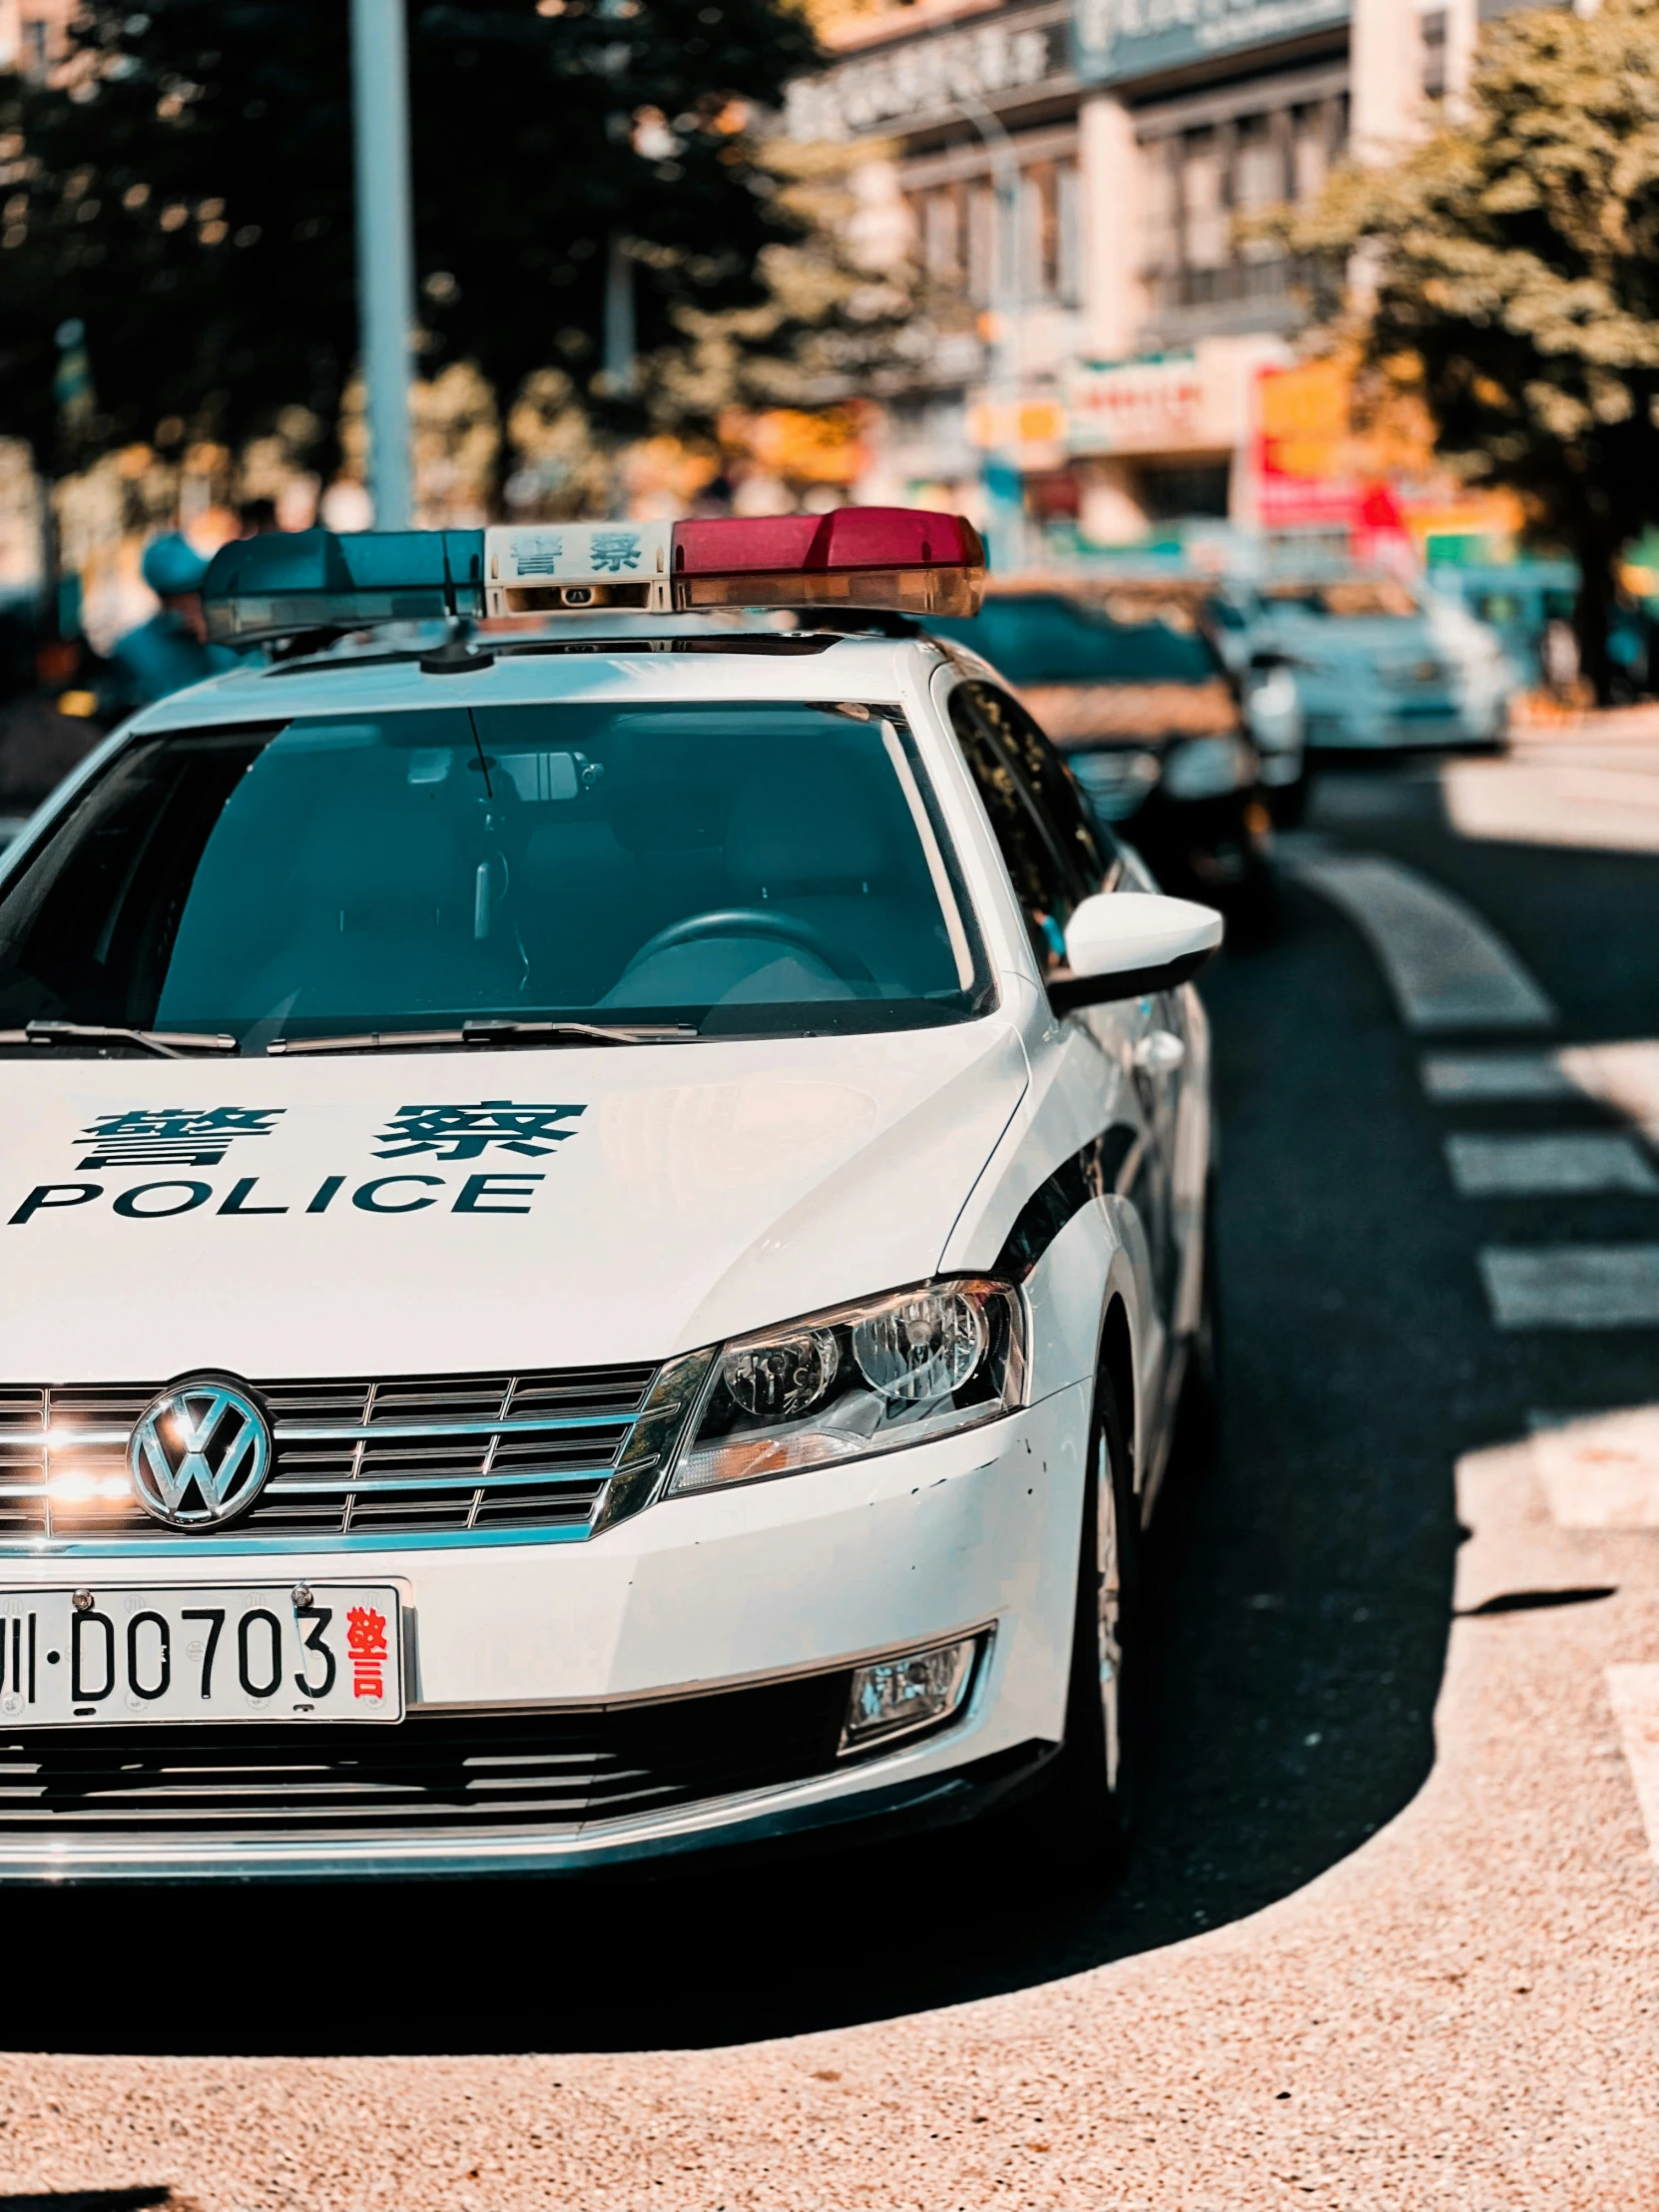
(185, 189)
(1511, 264)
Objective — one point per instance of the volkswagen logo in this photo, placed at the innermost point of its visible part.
(200, 1455)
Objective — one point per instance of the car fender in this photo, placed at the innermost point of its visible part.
(1053, 1211)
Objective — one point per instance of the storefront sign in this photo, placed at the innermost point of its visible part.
(1117, 39)
(1013, 426)
(1162, 406)
(1304, 461)
(931, 76)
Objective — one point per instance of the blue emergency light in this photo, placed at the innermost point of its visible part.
(280, 585)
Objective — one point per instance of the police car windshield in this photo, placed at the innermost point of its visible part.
(745, 869)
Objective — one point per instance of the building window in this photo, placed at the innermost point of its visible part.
(1068, 192)
(1198, 181)
(1316, 133)
(981, 271)
(941, 234)
(1204, 209)
(1260, 170)
(957, 231)
(1171, 491)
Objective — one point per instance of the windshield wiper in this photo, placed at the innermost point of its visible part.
(488, 1033)
(167, 1044)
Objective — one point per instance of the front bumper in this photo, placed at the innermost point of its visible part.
(695, 1601)
(1375, 724)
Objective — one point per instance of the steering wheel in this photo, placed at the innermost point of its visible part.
(759, 921)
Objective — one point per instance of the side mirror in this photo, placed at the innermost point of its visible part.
(1125, 944)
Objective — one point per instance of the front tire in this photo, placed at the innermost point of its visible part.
(1093, 1797)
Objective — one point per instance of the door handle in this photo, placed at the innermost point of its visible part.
(1159, 1052)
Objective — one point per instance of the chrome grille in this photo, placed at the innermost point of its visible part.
(438, 1773)
(404, 1455)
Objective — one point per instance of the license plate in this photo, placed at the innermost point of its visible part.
(329, 1652)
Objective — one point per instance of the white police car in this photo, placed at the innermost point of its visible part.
(602, 1239)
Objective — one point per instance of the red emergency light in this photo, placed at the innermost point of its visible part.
(903, 559)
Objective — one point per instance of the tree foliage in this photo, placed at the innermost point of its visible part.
(1509, 273)
(185, 189)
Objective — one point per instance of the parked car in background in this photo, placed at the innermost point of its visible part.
(1236, 621)
(1379, 662)
(1135, 693)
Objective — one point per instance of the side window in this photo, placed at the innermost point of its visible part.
(1053, 855)
(1066, 813)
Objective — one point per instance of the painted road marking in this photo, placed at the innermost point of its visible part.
(1542, 1166)
(1446, 967)
(1450, 1078)
(1600, 1470)
(1572, 1286)
(1634, 1691)
(1623, 1076)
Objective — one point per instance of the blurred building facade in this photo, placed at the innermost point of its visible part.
(1124, 331)
(33, 34)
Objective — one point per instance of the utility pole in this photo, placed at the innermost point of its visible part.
(999, 476)
(386, 247)
(621, 343)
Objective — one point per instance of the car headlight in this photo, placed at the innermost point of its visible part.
(1207, 767)
(859, 1380)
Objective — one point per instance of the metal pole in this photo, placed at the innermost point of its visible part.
(621, 343)
(1004, 507)
(386, 247)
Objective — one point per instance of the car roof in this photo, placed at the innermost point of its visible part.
(847, 668)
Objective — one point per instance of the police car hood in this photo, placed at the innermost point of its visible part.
(392, 1214)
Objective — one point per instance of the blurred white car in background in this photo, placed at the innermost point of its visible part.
(1381, 662)
(1236, 623)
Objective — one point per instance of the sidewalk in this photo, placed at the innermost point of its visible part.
(1586, 779)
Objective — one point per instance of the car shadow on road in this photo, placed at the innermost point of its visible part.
(1303, 1601)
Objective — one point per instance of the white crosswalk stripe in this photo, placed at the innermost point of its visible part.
(1560, 1161)
(1454, 1078)
(1446, 967)
(1634, 1692)
(1600, 1470)
(1623, 1076)
(1572, 1286)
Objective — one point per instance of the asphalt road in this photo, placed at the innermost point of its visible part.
(1305, 1599)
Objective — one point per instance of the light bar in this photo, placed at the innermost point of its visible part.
(899, 559)
(283, 583)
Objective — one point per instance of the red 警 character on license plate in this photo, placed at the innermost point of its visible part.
(365, 1639)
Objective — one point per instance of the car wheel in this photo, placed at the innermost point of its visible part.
(1092, 1801)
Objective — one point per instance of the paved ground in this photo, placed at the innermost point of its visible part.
(1391, 1936)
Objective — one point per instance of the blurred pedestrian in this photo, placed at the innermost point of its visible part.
(1559, 656)
(258, 518)
(171, 650)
